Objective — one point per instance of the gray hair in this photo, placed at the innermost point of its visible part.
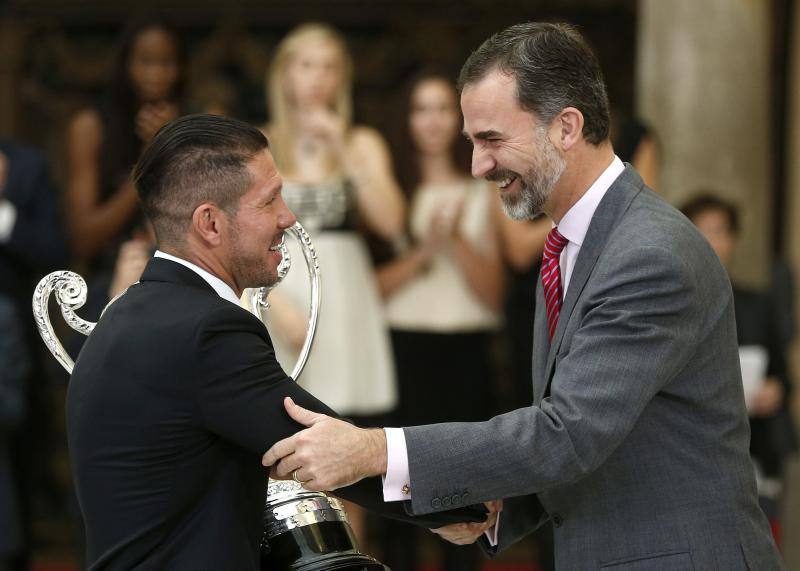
(554, 68)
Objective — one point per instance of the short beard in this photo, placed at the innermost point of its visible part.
(538, 181)
(250, 269)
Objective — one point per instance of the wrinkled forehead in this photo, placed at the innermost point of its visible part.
(491, 105)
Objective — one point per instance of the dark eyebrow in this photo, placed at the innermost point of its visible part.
(484, 135)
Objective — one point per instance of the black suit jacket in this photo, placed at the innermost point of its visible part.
(173, 400)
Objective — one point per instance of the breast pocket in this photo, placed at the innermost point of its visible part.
(673, 561)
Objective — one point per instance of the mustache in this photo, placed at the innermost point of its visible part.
(501, 174)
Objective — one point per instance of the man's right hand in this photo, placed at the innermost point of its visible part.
(329, 454)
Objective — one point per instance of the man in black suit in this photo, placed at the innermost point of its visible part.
(177, 392)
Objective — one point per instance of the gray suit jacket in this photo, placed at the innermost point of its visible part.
(636, 444)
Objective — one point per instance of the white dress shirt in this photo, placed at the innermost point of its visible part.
(8, 218)
(223, 290)
(573, 226)
(575, 223)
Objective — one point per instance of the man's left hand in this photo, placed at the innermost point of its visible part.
(327, 455)
(467, 533)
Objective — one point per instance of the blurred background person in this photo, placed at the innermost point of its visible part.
(32, 243)
(636, 143)
(339, 183)
(772, 429)
(132, 259)
(103, 144)
(444, 290)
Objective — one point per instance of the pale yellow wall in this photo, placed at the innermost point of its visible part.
(703, 84)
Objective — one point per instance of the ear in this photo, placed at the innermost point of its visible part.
(569, 128)
(209, 223)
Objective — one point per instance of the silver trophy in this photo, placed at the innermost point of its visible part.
(303, 530)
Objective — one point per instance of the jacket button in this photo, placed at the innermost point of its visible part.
(558, 521)
(446, 501)
(464, 497)
(436, 503)
(456, 499)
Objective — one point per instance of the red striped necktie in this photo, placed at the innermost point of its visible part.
(551, 277)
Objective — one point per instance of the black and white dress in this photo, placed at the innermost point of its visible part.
(350, 367)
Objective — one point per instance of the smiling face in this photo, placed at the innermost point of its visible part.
(314, 74)
(153, 65)
(510, 145)
(257, 228)
(434, 118)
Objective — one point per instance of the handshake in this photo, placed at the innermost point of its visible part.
(331, 453)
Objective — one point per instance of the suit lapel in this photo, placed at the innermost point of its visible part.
(605, 219)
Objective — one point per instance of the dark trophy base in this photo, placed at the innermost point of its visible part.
(322, 546)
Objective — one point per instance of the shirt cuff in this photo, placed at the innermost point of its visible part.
(492, 533)
(397, 481)
(8, 217)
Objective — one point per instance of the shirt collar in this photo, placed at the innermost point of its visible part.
(223, 290)
(575, 223)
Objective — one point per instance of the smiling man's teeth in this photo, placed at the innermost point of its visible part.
(505, 182)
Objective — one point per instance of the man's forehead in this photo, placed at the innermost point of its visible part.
(487, 101)
(264, 172)
(493, 81)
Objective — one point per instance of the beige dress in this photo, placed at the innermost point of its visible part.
(350, 367)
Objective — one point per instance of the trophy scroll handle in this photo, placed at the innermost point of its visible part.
(71, 291)
(258, 297)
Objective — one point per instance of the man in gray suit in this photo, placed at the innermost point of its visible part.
(636, 444)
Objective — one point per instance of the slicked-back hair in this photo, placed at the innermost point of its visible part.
(554, 68)
(192, 160)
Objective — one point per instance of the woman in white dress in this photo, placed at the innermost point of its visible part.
(338, 181)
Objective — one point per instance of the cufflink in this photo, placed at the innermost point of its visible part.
(405, 489)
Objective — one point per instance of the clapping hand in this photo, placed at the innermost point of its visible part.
(131, 261)
(322, 123)
(467, 533)
(442, 228)
(768, 400)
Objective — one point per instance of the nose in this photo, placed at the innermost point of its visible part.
(482, 162)
(286, 218)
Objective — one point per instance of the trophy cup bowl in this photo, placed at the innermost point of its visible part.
(303, 530)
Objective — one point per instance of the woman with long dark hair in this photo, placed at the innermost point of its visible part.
(104, 143)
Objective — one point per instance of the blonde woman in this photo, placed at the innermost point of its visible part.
(338, 180)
